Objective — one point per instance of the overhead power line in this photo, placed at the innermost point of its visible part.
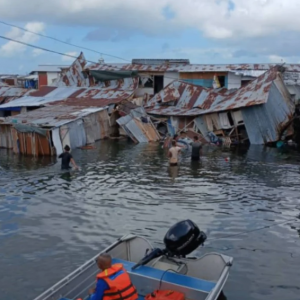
(41, 48)
(66, 43)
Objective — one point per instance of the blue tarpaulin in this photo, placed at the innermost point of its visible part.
(11, 108)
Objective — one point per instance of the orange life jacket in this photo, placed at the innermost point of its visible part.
(120, 288)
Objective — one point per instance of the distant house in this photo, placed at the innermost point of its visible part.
(48, 74)
(157, 74)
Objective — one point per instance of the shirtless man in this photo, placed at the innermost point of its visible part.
(173, 154)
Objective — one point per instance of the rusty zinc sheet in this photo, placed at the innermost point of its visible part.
(210, 100)
(9, 93)
(186, 94)
(73, 96)
(127, 84)
(53, 116)
(5, 136)
(189, 67)
(254, 93)
(265, 123)
(137, 129)
(73, 75)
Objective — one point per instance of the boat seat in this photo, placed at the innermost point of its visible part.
(170, 277)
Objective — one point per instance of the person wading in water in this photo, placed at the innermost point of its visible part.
(196, 149)
(173, 154)
(66, 158)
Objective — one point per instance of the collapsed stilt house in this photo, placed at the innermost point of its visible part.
(258, 112)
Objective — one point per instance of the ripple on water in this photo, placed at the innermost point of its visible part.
(51, 222)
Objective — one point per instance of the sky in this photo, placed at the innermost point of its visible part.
(203, 31)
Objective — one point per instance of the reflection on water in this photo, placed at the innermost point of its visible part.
(51, 221)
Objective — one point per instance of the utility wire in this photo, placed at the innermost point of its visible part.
(66, 43)
(40, 48)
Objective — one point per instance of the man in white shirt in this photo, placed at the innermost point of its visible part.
(173, 154)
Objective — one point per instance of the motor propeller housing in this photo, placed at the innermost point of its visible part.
(181, 239)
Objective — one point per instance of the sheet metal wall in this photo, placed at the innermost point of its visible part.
(200, 123)
(77, 134)
(171, 129)
(149, 130)
(31, 143)
(5, 136)
(136, 131)
(123, 122)
(263, 122)
(64, 136)
(134, 127)
(99, 125)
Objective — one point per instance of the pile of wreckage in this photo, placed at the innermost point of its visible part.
(85, 105)
(77, 110)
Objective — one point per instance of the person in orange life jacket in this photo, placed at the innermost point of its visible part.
(113, 283)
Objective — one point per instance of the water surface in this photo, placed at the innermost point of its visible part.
(52, 222)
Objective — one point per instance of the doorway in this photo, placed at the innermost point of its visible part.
(158, 84)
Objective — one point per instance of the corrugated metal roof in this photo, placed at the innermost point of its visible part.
(186, 94)
(111, 93)
(49, 68)
(141, 131)
(250, 73)
(73, 76)
(137, 67)
(254, 93)
(127, 84)
(103, 99)
(55, 94)
(151, 61)
(190, 67)
(9, 93)
(196, 100)
(265, 123)
(125, 107)
(53, 116)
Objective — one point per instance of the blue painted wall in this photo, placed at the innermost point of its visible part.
(208, 83)
(226, 82)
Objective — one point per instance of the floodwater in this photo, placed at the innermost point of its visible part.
(53, 222)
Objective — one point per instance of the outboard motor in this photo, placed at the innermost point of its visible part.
(183, 238)
(180, 240)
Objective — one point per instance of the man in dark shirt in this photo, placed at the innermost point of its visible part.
(196, 149)
(66, 158)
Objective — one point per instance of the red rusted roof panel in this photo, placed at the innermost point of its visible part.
(196, 100)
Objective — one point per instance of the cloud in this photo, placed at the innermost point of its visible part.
(67, 58)
(37, 52)
(220, 19)
(11, 48)
(276, 59)
(108, 34)
(257, 28)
